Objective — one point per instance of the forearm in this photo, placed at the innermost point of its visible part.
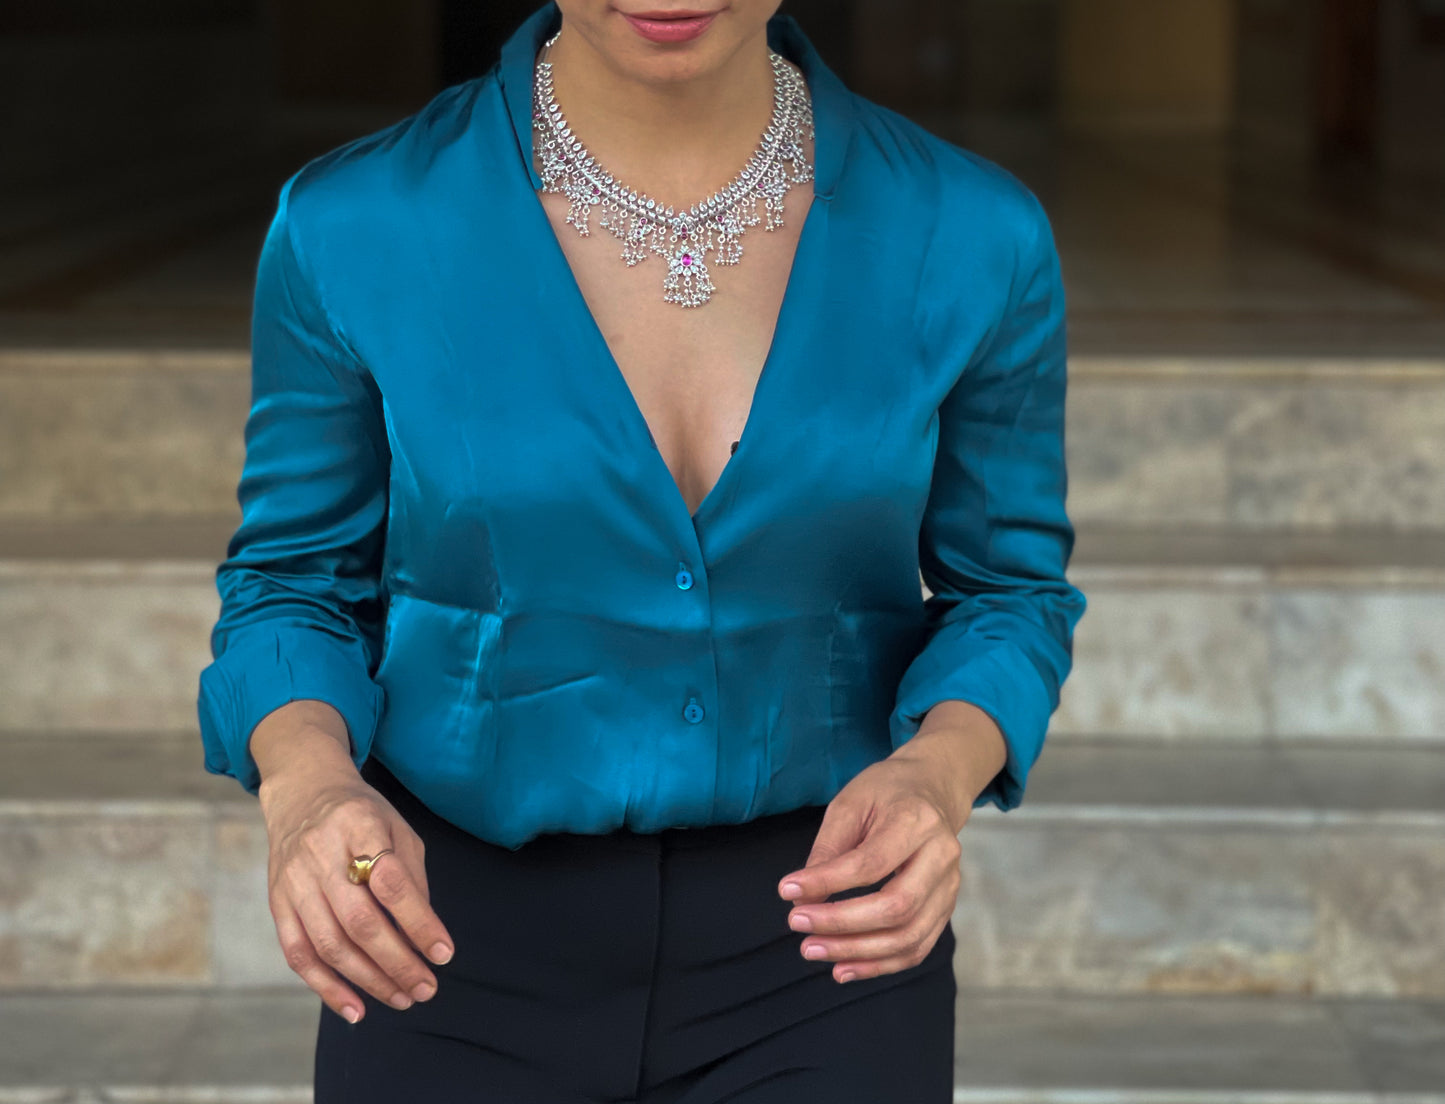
(965, 749)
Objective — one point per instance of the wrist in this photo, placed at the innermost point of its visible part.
(964, 749)
(306, 752)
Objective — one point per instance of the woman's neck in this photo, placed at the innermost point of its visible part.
(676, 140)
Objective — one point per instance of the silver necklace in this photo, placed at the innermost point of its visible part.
(683, 238)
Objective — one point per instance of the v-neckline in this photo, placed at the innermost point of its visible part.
(799, 267)
(834, 116)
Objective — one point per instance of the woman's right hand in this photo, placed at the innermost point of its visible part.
(319, 813)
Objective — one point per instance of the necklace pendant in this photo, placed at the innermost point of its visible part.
(634, 252)
(577, 213)
(712, 228)
(729, 249)
(688, 283)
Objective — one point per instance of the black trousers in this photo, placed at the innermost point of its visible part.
(646, 968)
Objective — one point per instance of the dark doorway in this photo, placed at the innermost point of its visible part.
(1347, 81)
(473, 32)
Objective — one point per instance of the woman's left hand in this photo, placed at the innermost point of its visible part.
(899, 816)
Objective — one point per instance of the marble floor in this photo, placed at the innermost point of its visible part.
(1170, 246)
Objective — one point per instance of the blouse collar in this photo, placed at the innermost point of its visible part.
(832, 101)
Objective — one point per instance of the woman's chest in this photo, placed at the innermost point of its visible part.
(539, 410)
(691, 371)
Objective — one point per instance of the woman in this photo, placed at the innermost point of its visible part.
(572, 638)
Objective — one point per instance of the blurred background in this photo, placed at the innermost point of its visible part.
(1227, 884)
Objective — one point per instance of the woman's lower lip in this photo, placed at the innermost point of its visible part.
(670, 30)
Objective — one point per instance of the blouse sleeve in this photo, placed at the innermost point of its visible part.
(995, 538)
(300, 613)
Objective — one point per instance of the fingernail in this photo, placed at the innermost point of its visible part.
(792, 889)
(441, 953)
(814, 950)
(424, 991)
(351, 1014)
(400, 1001)
(847, 975)
(801, 922)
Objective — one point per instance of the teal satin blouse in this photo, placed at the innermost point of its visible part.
(457, 530)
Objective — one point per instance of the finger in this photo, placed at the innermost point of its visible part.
(398, 881)
(872, 946)
(368, 926)
(858, 969)
(882, 943)
(898, 903)
(301, 956)
(879, 854)
(842, 829)
(884, 846)
(414, 851)
(336, 949)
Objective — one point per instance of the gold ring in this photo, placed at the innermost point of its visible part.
(359, 869)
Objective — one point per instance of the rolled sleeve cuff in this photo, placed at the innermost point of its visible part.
(251, 679)
(997, 677)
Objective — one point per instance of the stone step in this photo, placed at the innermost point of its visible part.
(1248, 442)
(1183, 638)
(1202, 868)
(218, 1047)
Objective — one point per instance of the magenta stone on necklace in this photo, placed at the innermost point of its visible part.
(596, 190)
(683, 231)
(687, 258)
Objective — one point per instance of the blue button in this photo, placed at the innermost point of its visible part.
(683, 579)
(693, 712)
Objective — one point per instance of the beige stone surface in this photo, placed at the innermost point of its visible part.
(1169, 907)
(1258, 452)
(247, 950)
(93, 900)
(1169, 661)
(1348, 452)
(1141, 449)
(118, 443)
(1249, 654)
(106, 647)
(1366, 662)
